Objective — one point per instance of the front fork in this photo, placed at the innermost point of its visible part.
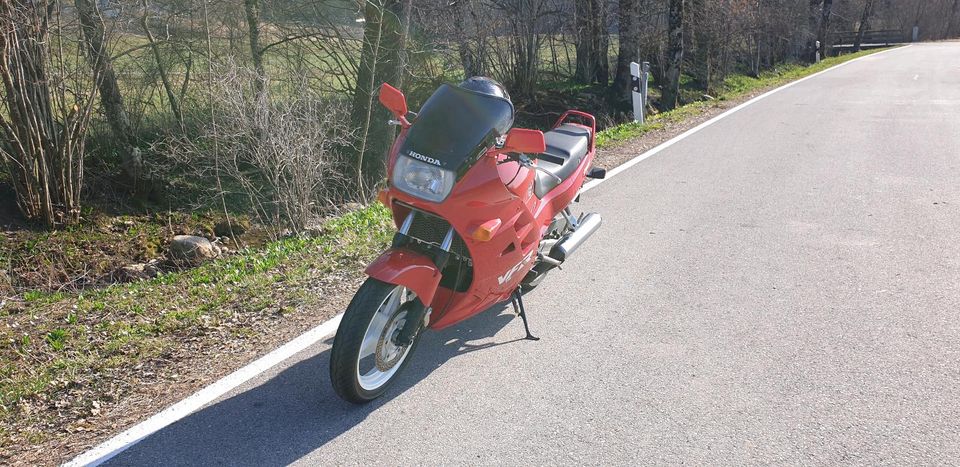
(417, 317)
(419, 313)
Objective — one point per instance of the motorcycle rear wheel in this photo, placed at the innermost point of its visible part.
(365, 360)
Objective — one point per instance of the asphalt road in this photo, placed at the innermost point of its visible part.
(782, 287)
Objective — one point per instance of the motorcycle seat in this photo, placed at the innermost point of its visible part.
(566, 147)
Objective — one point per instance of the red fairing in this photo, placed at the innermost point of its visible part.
(488, 194)
(490, 191)
(409, 269)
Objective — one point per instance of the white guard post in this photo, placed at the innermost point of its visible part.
(638, 89)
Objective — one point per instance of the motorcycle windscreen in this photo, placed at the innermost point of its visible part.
(455, 125)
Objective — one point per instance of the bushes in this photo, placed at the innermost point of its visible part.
(279, 148)
(43, 118)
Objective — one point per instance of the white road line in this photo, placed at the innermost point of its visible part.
(636, 160)
(175, 412)
(182, 409)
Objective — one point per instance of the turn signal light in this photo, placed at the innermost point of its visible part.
(486, 231)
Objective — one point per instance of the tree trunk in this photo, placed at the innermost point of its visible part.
(471, 55)
(813, 25)
(952, 23)
(43, 121)
(252, 11)
(824, 26)
(405, 11)
(671, 86)
(94, 41)
(628, 14)
(603, 45)
(593, 41)
(702, 44)
(161, 67)
(864, 24)
(379, 63)
(525, 18)
(758, 38)
(955, 28)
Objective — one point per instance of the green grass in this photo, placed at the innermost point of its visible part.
(57, 344)
(733, 87)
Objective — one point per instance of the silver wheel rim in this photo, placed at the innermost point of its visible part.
(379, 357)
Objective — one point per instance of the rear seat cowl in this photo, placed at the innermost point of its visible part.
(568, 140)
(566, 147)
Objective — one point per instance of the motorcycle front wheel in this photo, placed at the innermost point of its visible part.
(365, 359)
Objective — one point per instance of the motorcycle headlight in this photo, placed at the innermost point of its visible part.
(422, 180)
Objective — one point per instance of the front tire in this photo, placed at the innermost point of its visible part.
(365, 360)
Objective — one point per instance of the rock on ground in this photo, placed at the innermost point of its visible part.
(136, 272)
(192, 249)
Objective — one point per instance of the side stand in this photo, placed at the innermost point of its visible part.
(518, 309)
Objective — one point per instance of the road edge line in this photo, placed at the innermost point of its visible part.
(174, 413)
(653, 151)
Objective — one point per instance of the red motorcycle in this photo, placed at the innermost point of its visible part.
(483, 213)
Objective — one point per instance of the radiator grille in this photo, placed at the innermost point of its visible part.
(431, 229)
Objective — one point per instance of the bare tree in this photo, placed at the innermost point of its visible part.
(161, 67)
(823, 27)
(628, 18)
(282, 151)
(380, 62)
(593, 42)
(95, 42)
(519, 60)
(471, 37)
(320, 46)
(864, 24)
(814, 10)
(43, 119)
(671, 87)
(951, 27)
(251, 10)
(701, 36)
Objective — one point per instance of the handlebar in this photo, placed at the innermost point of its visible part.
(527, 162)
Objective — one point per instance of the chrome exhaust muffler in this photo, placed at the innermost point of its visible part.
(569, 244)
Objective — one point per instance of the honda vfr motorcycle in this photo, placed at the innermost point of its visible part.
(483, 213)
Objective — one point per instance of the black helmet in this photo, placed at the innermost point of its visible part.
(484, 85)
(490, 87)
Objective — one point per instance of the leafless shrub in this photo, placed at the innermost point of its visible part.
(44, 111)
(279, 148)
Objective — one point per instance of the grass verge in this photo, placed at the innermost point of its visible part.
(734, 87)
(63, 356)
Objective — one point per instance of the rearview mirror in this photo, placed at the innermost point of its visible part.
(525, 141)
(393, 100)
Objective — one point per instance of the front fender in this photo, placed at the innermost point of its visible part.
(410, 269)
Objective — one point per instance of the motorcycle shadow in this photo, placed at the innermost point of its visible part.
(296, 411)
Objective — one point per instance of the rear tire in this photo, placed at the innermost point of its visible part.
(371, 320)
